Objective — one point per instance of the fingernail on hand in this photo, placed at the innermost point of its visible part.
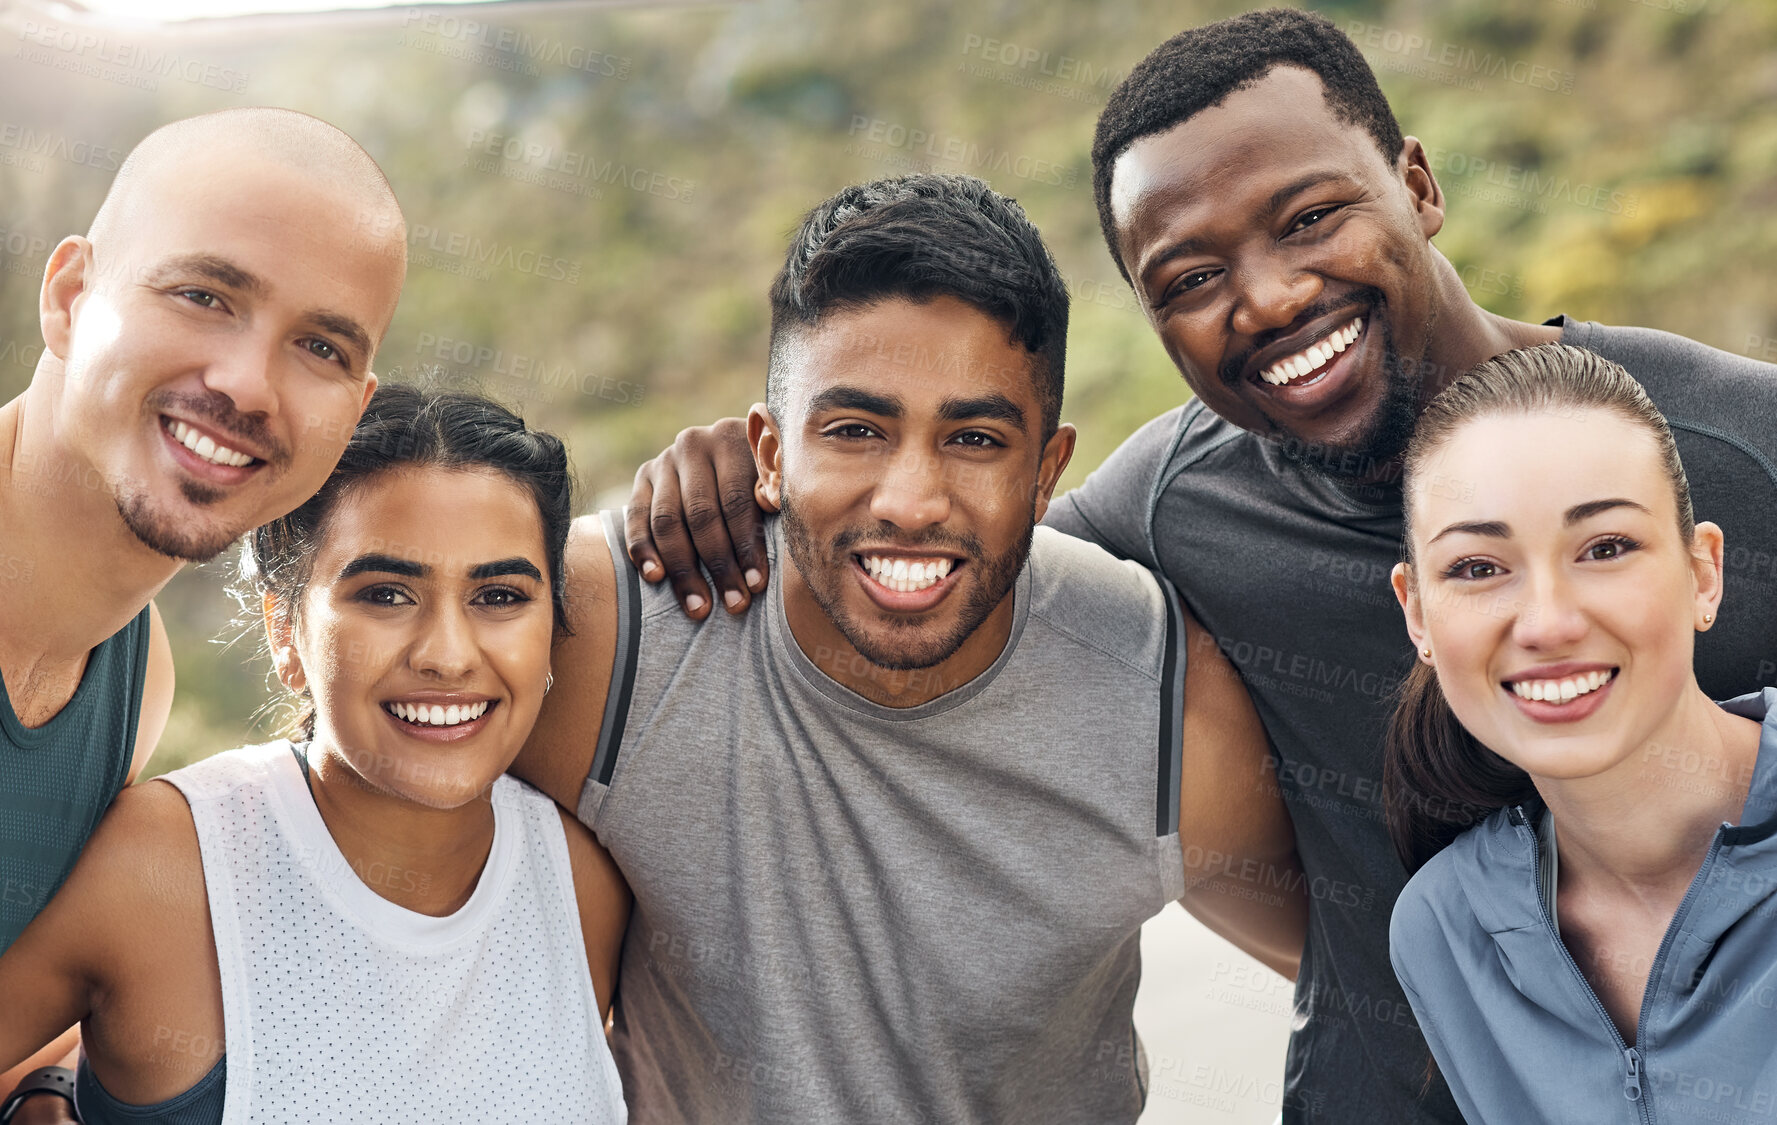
(754, 578)
(651, 570)
(731, 598)
(693, 603)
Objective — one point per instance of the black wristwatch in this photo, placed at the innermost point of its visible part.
(57, 1080)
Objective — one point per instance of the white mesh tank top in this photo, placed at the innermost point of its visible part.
(339, 1005)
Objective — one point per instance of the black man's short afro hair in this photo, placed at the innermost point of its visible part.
(1200, 66)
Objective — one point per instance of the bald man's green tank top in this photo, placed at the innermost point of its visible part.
(57, 779)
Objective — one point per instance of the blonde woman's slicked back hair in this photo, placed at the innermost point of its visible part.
(1437, 780)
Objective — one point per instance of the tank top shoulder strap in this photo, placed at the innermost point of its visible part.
(623, 666)
(1172, 713)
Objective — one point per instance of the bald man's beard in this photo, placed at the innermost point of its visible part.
(166, 534)
(181, 531)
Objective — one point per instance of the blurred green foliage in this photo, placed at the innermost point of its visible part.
(1611, 159)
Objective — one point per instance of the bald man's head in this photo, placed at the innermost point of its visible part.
(209, 342)
(305, 146)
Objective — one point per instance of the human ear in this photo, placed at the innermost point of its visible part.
(65, 279)
(280, 631)
(1422, 187)
(1706, 567)
(768, 457)
(1057, 452)
(1406, 592)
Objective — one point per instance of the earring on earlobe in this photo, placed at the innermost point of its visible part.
(548, 682)
(1425, 652)
(1709, 619)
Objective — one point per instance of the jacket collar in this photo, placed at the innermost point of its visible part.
(1497, 859)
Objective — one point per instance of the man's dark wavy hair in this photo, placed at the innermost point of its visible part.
(920, 237)
(1199, 67)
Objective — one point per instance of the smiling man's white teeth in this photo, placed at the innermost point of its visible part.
(1313, 357)
(205, 447)
(904, 576)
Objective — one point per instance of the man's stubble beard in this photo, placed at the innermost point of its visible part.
(1375, 457)
(161, 533)
(991, 587)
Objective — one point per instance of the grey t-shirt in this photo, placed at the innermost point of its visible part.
(1289, 573)
(846, 912)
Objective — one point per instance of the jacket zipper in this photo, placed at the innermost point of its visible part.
(1632, 1059)
(1633, 1075)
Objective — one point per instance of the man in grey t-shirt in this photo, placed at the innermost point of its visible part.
(893, 836)
(1255, 188)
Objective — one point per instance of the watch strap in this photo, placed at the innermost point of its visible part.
(57, 1080)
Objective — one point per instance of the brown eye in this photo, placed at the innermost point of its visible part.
(851, 431)
(1309, 218)
(1613, 548)
(1472, 570)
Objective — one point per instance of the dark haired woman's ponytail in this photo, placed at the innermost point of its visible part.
(1437, 781)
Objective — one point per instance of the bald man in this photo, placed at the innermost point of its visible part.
(207, 351)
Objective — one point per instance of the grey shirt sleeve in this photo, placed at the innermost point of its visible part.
(1113, 507)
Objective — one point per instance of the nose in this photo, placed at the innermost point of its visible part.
(246, 373)
(912, 492)
(1551, 619)
(445, 648)
(1271, 293)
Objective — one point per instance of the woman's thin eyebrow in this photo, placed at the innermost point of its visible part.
(1493, 529)
(1499, 529)
(1592, 507)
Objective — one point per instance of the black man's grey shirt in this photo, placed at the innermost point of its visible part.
(1288, 571)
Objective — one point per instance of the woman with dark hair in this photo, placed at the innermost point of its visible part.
(1588, 935)
(370, 922)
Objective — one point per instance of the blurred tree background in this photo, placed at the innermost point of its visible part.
(598, 197)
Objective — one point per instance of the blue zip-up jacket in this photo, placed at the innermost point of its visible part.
(1519, 1033)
